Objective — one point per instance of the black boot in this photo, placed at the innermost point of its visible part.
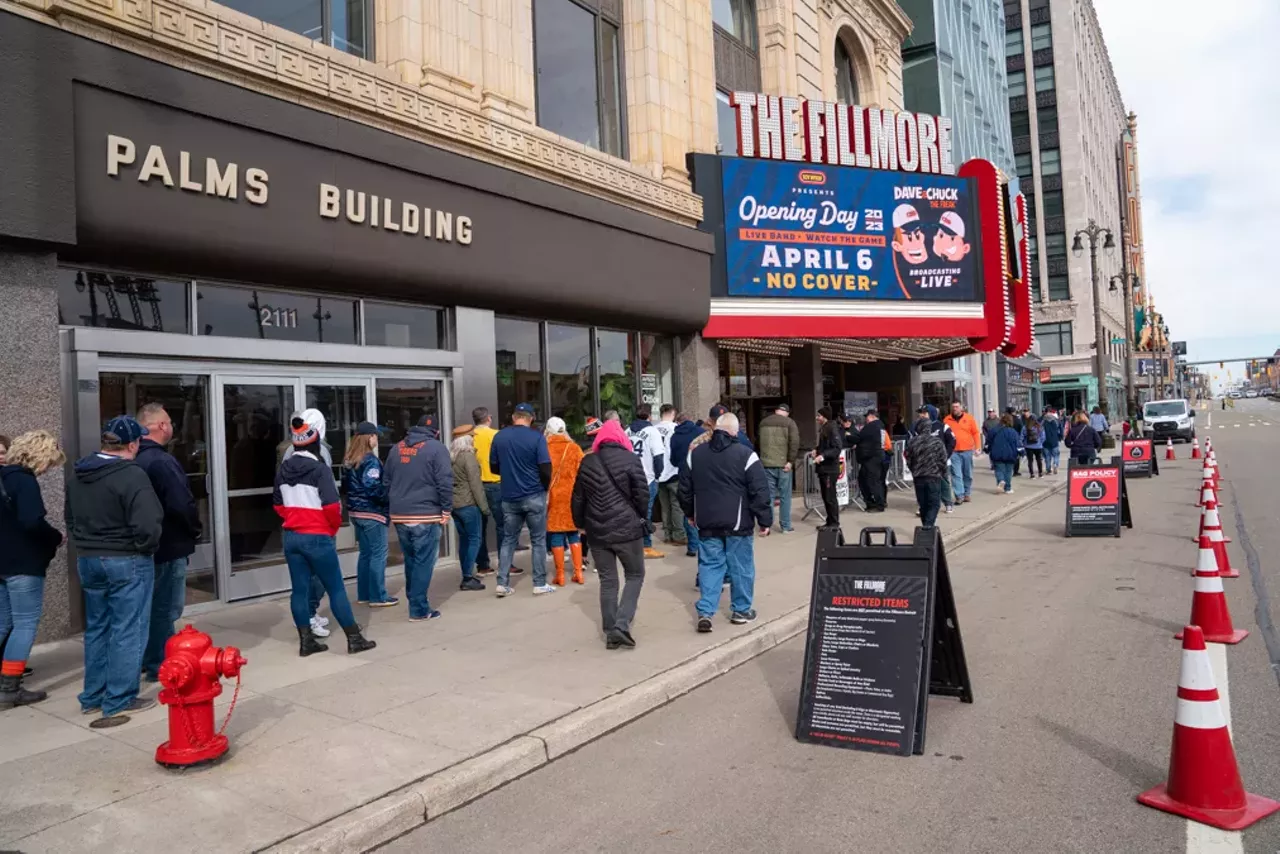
(309, 643)
(13, 694)
(356, 642)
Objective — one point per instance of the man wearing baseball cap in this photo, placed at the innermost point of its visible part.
(114, 519)
(519, 455)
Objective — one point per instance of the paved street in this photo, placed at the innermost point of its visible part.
(1069, 645)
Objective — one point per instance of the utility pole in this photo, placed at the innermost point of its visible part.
(1093, 231)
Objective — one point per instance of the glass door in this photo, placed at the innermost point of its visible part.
(252, 425)
(344, 403)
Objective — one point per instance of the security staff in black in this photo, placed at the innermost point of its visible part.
(827, 465)
(869, 452)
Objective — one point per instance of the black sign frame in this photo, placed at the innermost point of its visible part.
(932, 663)
(1139, 468)
(1123, 515)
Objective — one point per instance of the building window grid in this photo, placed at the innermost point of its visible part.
(1055, 339)
(611, 130)
(1044, 79)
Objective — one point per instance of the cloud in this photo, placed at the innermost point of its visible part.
(1207, 122)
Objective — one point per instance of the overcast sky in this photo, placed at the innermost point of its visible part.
(1201, 78)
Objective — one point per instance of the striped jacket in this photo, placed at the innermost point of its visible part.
(306, 497)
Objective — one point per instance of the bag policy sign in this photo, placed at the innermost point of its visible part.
(1097, 504)
(1139, 461)
(817, 232)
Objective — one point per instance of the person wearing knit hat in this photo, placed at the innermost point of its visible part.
(593, 426)
(307, 501)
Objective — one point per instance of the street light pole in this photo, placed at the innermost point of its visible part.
(1093, 231)
(1130, 282)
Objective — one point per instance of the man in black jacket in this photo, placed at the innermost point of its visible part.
(611, 503)
(114, 520)
(178, 535)
(869, 452)
(827, 465)
(723, 491)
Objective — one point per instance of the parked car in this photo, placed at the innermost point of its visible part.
(1253, 392)
(1168, 419)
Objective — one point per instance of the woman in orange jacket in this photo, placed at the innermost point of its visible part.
(566, 456)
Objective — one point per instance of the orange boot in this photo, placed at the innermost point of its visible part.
(575, 551)
(557, 552)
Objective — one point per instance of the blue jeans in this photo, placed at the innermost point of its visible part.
(718, 556)
(167, 602)
(691, 534)
(780, 491)
(117, 616)
(561, 539)
(929, 497)
(493, 497)
(1004, 474)
(532, 511)
(469, 523)
(21, 602)
(962, 474)
(371, 566)
(1052, 455)
(315, 556)
(653, 494)
(421, 547)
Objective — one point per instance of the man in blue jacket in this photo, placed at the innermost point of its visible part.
(687, 429)
(723, 491)
(179, 532)
(419, 478)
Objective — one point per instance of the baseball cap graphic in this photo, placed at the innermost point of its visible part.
(906, 216)
(952, 223)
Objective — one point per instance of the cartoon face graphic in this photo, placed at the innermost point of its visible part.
(949, 243)
(910, 245)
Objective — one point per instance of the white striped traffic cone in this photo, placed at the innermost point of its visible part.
(1204, 782)
(1218, 541)
(1168, 450)
(1209, 607)
(1212, 459)
(1206, 484)
(1195, 448)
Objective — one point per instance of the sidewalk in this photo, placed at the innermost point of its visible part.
(314, 739)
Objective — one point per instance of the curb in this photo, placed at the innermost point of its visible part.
(398, 812)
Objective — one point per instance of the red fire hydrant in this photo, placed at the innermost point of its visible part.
(190, 675)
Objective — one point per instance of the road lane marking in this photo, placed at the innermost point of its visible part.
(1202, 839)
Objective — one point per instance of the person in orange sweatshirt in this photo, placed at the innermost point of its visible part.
(968, 445)
(566, 457)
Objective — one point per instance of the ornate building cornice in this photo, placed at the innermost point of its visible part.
(220, 43)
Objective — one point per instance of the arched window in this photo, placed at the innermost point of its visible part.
(846, 78)
(737, 18)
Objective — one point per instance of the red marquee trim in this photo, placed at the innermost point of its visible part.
(736, 326)
(993, 268)
(1022, 338)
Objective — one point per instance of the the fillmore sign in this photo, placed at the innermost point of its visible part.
(785, 128)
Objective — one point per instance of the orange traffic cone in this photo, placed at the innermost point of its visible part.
(1209, 606)
(1213, 530)
(1195, 448)
(1206, 486)
(1204, 782)
(1168, 450)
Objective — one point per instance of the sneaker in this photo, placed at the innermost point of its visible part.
(323, 621)
(965, 500)
(91, 710)
(504, 592)
(317, 627)
(693, 554)
(362, 601)
(739, 618)
(471, 583)
(652, 553)
(1009, 491)
(430, 615)
(389, 602)
(515, 570)
(139, 704)
(787, 530)
(484, 570)
(543, 590)
(949, 509)
(704, 625)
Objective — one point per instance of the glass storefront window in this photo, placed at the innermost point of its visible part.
(519, 364)
(657, 370)
(617, 374)
(255, 424)
(272, 315)
(390, 325)
(569, 369)
(401, 403)
(186, 400)
(343, 407)
(116, 301)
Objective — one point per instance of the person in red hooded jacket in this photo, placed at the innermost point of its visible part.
(307, 500)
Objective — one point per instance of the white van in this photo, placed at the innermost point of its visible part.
(1165, 419)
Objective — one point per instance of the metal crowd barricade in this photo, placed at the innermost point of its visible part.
(899, 475)
(811, 493)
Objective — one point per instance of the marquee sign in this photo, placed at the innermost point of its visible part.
(843, 221)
